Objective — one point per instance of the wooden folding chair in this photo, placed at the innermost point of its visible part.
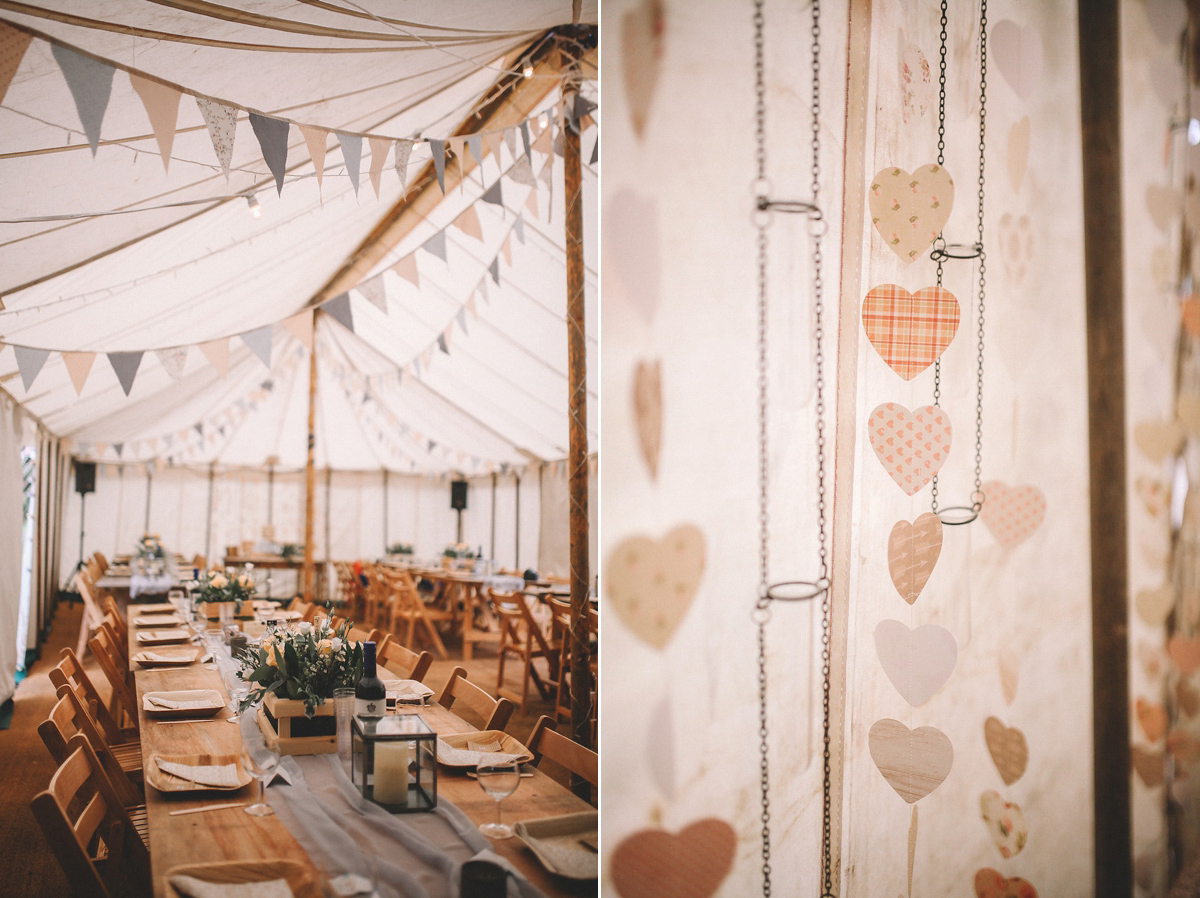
(69, 672)
(520, 635)
(109, 605)
(404, 662)
(90, 833)
(547, 743)
(561, 608)
(107, 656)
(101, 561)
(494, 712)
(92, 613)
(405, 605)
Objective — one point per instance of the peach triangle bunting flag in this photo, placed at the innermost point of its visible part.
(407, 269)
(380, 146)
(300, 326)
(217, 353)
(468, 223)
(315, 139)
(13, 44)
(506, 249)
(162, 107)
(79, 365)
(492, 140)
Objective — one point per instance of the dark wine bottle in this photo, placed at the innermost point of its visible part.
(370, 697)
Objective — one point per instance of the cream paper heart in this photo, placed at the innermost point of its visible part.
(1012, 513)
(1016, 245)
(918, 662)
(1153, 605)
(1163, 204)
(648, 411)
(1187, 410)
(1018, 152)
(1018, 53)
(909, 210)
(910, 331)
(913, 550)
(1007, 746)
(1005, 822)
(1153, 494)
(1158, 440)
(911, 446)
(651, 583)
(914, 762)
(641, 54)
(631, 249)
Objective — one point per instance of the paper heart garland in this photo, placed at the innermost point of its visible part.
(1183, 748)
(909, 210)
(641, 54)
(1151, 658)
(1016, 245)
(916, 81)
(648, 411)
(1153, 605)
(1153, 718)
(651, 583)
(1005, 822)
(913, 550)
(1158, 439)
(1018, 54)
(1149, 766)
(914, 762)
(1187, 697)
(1007, 663)
(910, 331)
(991, 883)
(918, 662)
(1012, 513)
(653, 863)
(1184, 652)
(911, 446)
(1018, 152)
(1007, 746)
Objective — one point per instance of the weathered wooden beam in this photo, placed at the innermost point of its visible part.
(310, 473)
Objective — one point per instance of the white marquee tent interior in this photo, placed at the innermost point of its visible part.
(163, 283)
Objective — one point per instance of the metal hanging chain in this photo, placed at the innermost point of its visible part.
(941, 252)
(790, 590)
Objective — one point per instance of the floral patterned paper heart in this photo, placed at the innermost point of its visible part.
(911, 446)
(916, 80)
(991, 883)
(651, 583)
(1153, 718)
(1185, 653)
(1007, 746)
(1153, 494)
(910, 330)
(653, 863)
(913, 550)
(1005, 822)
(909, 210)
(914, 762)
(1012, 513)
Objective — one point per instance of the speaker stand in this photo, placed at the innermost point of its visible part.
(459, 540)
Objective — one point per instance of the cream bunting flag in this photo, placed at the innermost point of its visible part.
(13, 44)
(492, 140)
(173, 361)
(300, 326)
(403, 151)
(375, 292)
(79, 365)
(468, 223)
(407, 269)
(380, 146)
(522, 172)
(315, 139)
(162, 108)
(510, 140)
(217, 353)
(222, 127)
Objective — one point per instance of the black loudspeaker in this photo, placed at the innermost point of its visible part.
(458, 494)
(85, 477)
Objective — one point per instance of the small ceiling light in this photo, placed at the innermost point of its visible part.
(255, 208)
(1193, 132)
(528, 70)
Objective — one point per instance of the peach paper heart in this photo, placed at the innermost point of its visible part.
(651, 583)
(648, 411)
(1005, 822)
(1164, 205)
(641, 54)
(1185, 653)
(1012, 513)
(911, 446)
(1153, 718)
(1189, 309)
(653, 863)
(914, 762)
(991, 883)
(918, 662)
(1187, 697)
(1153, 605)
(1009, 673)
(909, 210)
(1149, 766)
(910, 330)
(1007, 746)
(1187, 410)
(913, 550)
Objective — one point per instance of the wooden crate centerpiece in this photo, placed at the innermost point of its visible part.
(283, 721)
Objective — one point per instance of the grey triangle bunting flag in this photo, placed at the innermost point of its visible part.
(338, 309)
(272, 134)
(494, 195)
(29, 363)
(125, 365)
(352, 154)
(438, 149)
(90, 82)
(494, 270)
(259, 340)
(436, 245)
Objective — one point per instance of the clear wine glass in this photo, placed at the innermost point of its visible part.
(499, 781)
(262, 768)
(238, 690)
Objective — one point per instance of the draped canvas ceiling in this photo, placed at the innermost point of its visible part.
(455, 355)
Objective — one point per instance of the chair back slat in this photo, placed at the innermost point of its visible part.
(546, 742)
(494, 712)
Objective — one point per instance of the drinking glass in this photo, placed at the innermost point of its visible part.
(343, 706)
(498, 781)
(238, 690)
(262, 768)
(214, 640)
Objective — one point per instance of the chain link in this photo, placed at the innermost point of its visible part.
(941, 159)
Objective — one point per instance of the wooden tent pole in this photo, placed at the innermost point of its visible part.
(212, 471)
(577, 448)
(149, 489)
(385, 511)
(310, 473)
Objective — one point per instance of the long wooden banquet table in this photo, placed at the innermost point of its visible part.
(232, 835)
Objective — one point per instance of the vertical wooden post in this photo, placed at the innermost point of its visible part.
(1100, 109)
(517, 533)
(385, 511)
(492, 545)
(310, 474)
(212, 469)
(149, 487)
(328, 532)
(577, 447)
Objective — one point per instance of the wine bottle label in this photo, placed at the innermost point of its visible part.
(370, 707)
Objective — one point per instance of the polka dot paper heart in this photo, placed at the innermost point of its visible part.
(910, 330)
(909, 210)
(651, 583)
(911, 446)
(654, 863)
(1005, 822)
(990, 883)
(1012, 513)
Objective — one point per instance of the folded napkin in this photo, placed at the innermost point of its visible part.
(157, 608)
(158, 656)
(162, 635)
(198, 888)
(466, 757)
(158, 620)
(178, 704)
(224, 775)
(408, 690)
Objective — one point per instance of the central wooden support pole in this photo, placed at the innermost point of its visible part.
(1100, 107)
(310, 473)
(577, 451)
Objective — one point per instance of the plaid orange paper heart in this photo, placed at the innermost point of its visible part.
(910, 330)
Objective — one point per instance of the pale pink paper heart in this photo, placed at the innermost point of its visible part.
(1017, 51)
(651, 583)
(1016, 245)
(631, 248)
(1164, 204)
(909, 210)
(910, 331)
(911, 446)
(914, 762)
(1005, 822)
(913, 550)
(1012, 513)
(918, 662)
(641, 54)
(1018, 152)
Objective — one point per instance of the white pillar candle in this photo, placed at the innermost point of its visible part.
(391, 772)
